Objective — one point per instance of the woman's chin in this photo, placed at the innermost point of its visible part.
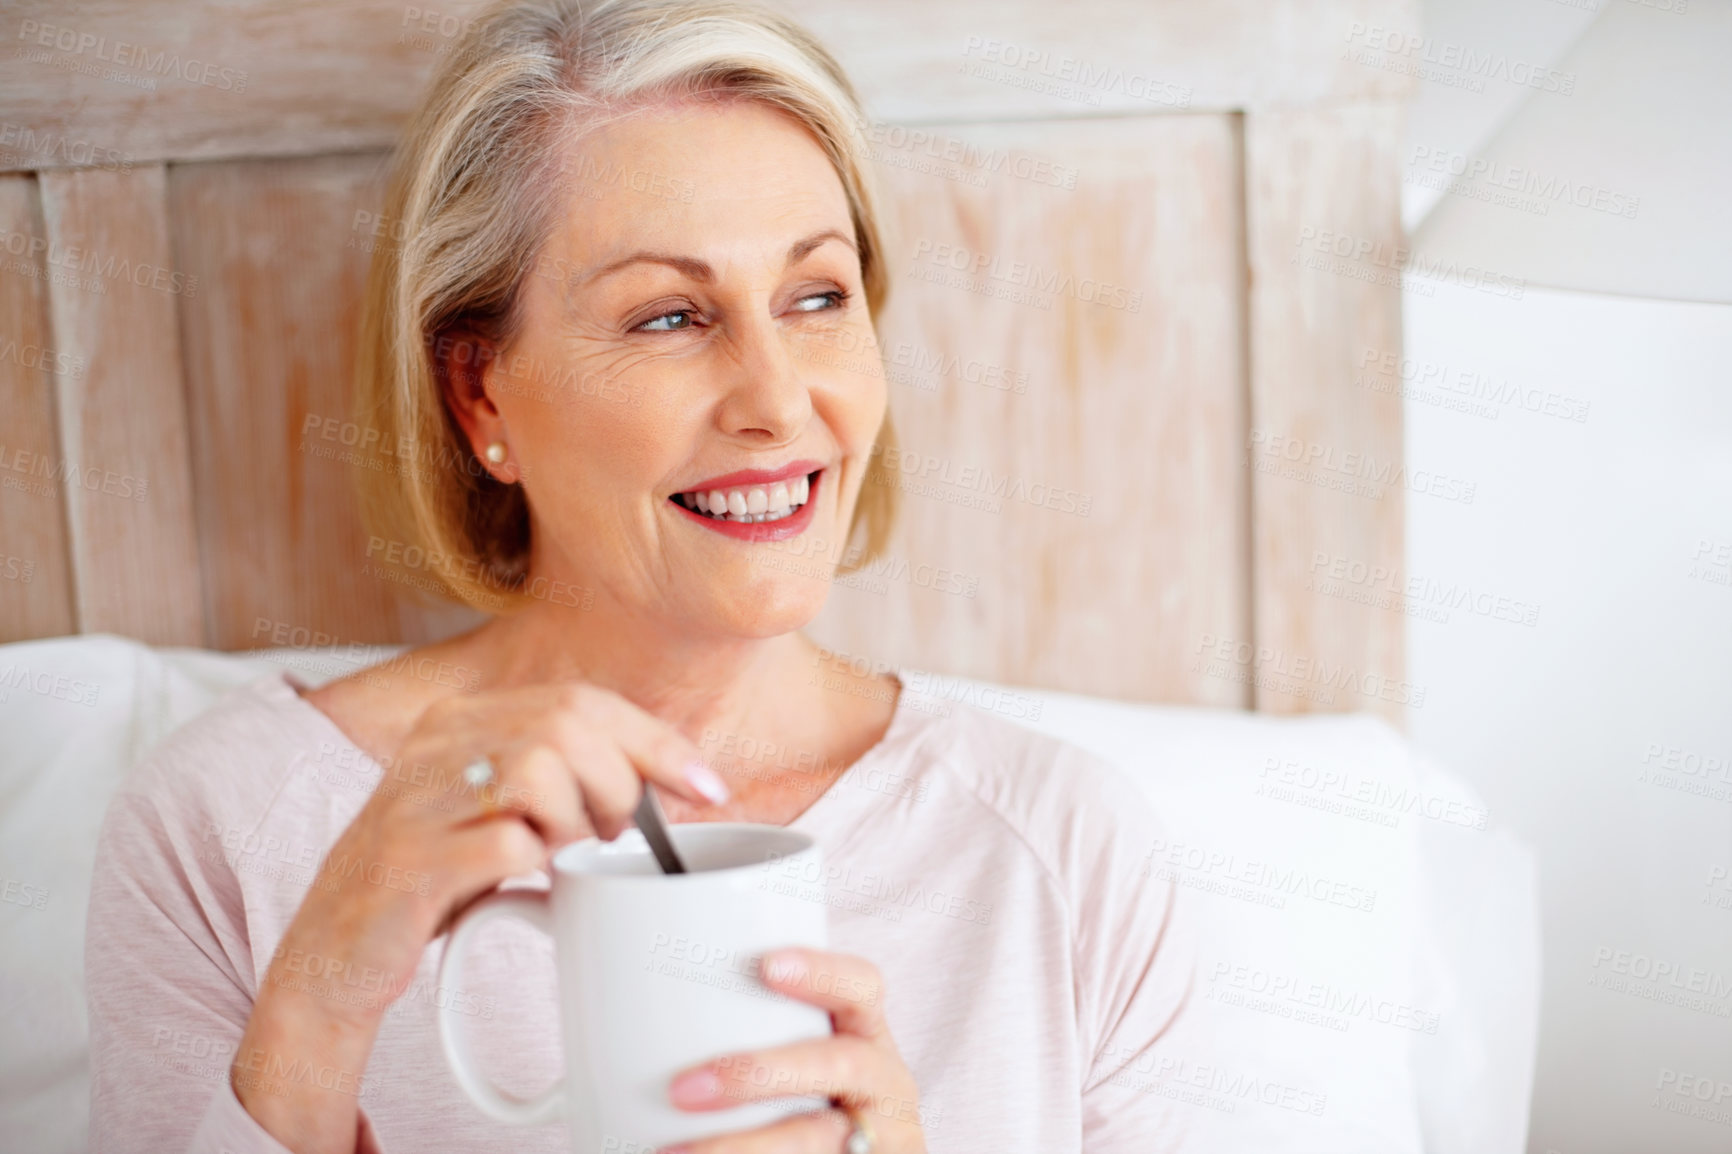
(772, 608)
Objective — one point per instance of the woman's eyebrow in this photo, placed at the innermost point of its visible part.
(701, 271)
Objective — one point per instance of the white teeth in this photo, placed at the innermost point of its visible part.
(754, 504)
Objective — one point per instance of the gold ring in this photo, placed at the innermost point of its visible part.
(860, 1138)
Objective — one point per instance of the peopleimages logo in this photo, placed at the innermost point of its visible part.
(1433, 59)
(938, 689)
(1377, 261)
(1463, 389)
(939, 153)
(1065, 76)
(1357, 473)
(59, 686)
(1169, 1075)
(1288, 995)
(881, 890)
(1457, 171)
(1318, 787)
(1384, 587)
(77, 261)
(1665, 980)
(973, 485)
(1259, 882)
(159, 61)
(984, 268)
(1299, 675)
(42, 148)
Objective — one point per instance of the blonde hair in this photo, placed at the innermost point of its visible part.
(472, 192)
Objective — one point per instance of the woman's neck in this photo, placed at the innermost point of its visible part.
(694, 683)
(778, 717)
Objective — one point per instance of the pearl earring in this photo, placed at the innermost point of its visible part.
(496, 452)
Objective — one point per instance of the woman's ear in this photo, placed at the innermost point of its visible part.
(461, 360)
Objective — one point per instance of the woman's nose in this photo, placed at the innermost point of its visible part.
(765, 397)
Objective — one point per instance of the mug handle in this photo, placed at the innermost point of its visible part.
(548, 1106)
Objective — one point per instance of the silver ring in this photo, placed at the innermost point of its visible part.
(479, 773)
(860, 1140)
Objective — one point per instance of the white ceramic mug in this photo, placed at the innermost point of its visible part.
(657, 972)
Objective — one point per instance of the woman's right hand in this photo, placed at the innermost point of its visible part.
(570, 760)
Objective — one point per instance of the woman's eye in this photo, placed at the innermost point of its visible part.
(655, 325)
(681, 319)
(837, 296)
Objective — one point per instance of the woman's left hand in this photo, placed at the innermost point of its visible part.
(857, 1067)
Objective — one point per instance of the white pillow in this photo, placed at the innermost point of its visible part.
(1481, 970)
(77, 713)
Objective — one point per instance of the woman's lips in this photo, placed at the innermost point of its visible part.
(760, 477)
(790, 526)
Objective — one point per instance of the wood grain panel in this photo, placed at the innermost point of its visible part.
(917, 61)
(123, 423)
(1324, 449)
(1027, 385)
(127, 82)
(281, 255)
(1066, 378)
(36, 598)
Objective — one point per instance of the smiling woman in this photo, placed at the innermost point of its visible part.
(632, 237)
(541, 161)
(710, 336)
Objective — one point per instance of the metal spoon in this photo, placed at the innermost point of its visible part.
(654, 824)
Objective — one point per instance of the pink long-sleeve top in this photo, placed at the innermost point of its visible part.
(993, 874)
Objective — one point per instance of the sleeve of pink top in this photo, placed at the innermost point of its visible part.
(167, 980)
(1135, 959)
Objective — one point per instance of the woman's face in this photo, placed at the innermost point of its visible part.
(697, 312)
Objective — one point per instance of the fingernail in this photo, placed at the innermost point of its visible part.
(707, 782)
(698, 1088)
(784, 968)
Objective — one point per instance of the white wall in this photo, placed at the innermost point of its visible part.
(1600, 523)
(1609, 172)
(1602, 733)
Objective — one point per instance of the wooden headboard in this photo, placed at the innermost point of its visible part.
(1149, 417)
